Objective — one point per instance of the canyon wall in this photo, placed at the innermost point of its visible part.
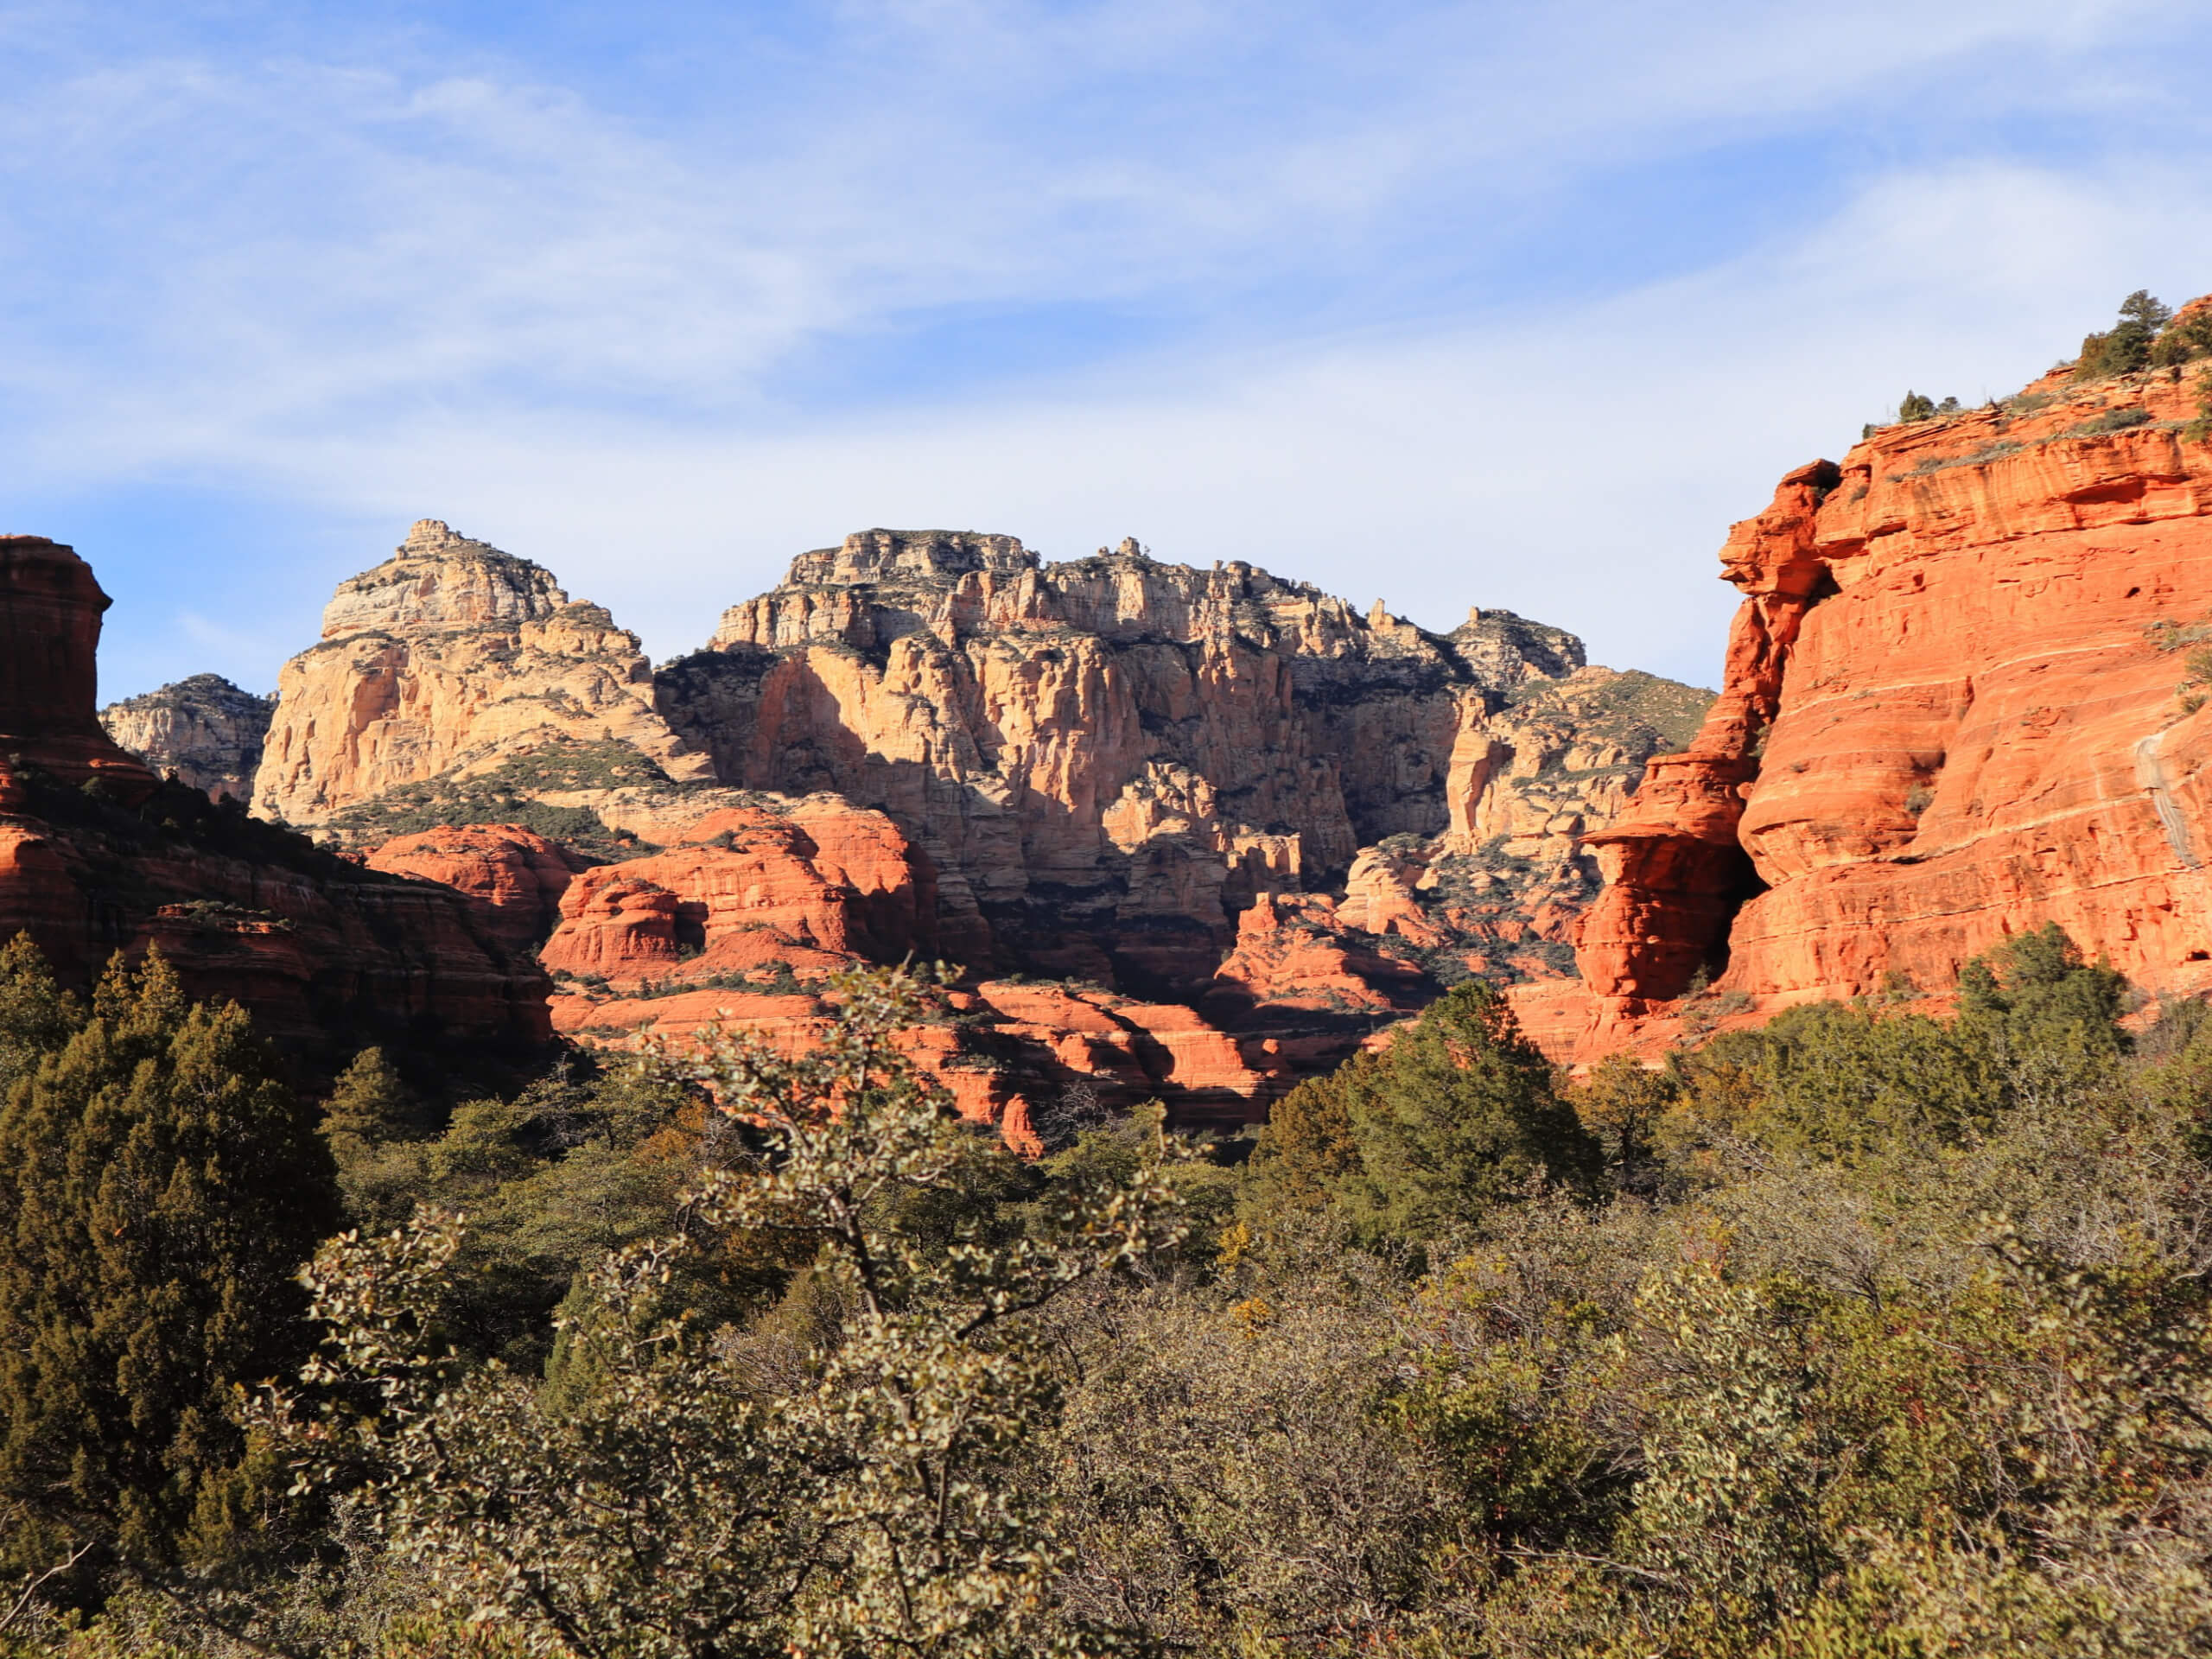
(98, 855)
(1961, 701)
(206, 730)
(1116, 755)
(1241, 823)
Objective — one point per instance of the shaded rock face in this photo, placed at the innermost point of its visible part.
(50, 611)
(97, 855)
(206, 730)
(1959, 705)
(450, 658)
(1114, 755)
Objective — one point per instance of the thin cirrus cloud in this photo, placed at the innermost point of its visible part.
(1494, 304)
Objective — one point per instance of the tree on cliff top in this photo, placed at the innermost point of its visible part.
(159, 1187)
(2127, 345)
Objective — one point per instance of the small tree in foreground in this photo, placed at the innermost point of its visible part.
(689, 1499)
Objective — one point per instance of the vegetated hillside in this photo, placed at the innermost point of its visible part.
(1960, 702)
(1864, 1333)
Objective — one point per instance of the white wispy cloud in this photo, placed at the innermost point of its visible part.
(396, 272)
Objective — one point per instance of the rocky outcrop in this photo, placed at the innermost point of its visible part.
(97, 855)
(517, 873)
(1116, 755)
(1959, 703)
(1012, 1054)
(758, 895)
(450, 660)
(206, 730)
(50, 611)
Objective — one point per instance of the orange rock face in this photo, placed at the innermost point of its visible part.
(1957, 707)
(811, 889)
(1009, 1054)
(447, 659)
(516, 872)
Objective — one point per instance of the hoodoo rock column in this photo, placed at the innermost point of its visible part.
(1674, 872)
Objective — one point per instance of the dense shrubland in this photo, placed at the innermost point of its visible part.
(1866, 1333)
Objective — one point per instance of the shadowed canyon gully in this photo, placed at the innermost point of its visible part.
(1190, 832)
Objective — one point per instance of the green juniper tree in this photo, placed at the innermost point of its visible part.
(159, 1188)
(1457, 1115)
(2127, 344)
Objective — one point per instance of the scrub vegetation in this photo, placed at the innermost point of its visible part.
(1867, 1332)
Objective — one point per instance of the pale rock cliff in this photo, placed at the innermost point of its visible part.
(446, 660)
(204, 729)
(1119, 754)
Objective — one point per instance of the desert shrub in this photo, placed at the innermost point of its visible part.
(1457, 1116)
(682, 1499)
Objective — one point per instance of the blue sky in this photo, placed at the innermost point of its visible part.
(1449, 304)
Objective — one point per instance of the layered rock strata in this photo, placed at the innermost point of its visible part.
(1117, 754)
(1961, 701)
(740, 926)
(450, 658)
(50, 611)
(519, 875)
(204, 729)
(97, 855)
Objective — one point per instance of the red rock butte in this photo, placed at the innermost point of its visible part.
(50, 611)
(1960, 703)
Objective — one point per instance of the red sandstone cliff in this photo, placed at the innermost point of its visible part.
(96, 855)
(1956, 708)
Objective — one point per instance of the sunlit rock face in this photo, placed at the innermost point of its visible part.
(1959, 704)
(204, 729)
(449, 658)
(1116, 755)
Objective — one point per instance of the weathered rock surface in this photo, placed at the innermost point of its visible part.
(97, 855)
(206, 730)
(517, 872)
(50, 611)
(772, 894)
(448, 659)
(1958, 705)
(1117, 754)
(1011, 1054)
